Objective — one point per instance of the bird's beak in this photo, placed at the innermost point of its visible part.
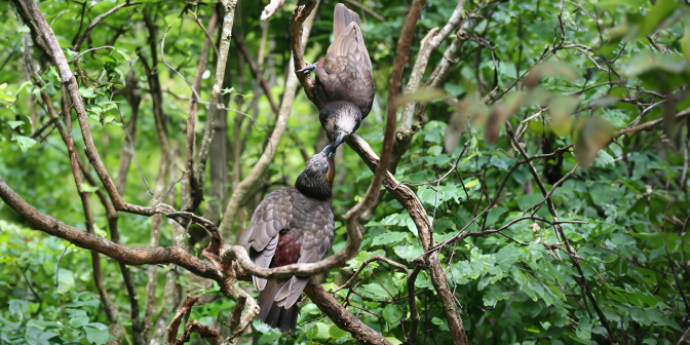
(328, 150)
(339, 139)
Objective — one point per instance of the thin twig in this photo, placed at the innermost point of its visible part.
(131, 142)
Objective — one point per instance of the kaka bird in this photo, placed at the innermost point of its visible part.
(291, 225)
(344, 80)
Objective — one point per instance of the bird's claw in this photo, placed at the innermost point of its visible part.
(308, 68)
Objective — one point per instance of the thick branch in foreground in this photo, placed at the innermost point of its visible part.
(83, 239)
(406, 197)
(341, 317)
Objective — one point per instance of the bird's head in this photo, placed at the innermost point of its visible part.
(343, 120)
(316, 180)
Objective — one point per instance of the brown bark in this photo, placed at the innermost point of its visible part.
(129, 256)
(406, 197)
(342, 317)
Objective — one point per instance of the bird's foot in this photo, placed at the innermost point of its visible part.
(310, 67)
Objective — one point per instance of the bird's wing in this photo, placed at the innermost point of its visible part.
(318, 237)
(260, 238)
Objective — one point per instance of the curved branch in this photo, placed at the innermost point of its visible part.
(341, 317)
(83, 239)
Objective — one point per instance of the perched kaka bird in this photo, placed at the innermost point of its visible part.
(344, 80)
(291, 225)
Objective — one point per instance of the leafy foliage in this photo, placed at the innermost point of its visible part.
(612, 65)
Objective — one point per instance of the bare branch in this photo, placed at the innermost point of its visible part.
(209, 129)
(272, 8)
(177, 319)
(297, 44)
(95, 22)
(191, 124)
(366, 262)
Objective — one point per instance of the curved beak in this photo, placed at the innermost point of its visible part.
(328, 150)
(339, 139)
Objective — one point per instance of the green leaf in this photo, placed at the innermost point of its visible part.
(86, 92)
(392, 313)
(388, 238)
(15, 124)
(584, 329)
(18, 307)
(394, 340)
(87, 188)
(408, 252)
(123, 54)
(375, 291)
(24, 142)
(23, 29)
(685, 42)
(78, 321)
(660, 11)
(336, 333)
(10, 324)
(65, 280)
(97, 334)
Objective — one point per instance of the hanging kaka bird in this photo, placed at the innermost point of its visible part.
(344, 80)
(291, 225)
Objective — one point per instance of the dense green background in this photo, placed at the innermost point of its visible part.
(632, 198)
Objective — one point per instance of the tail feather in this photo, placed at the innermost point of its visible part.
(274, 315)
(342, 17)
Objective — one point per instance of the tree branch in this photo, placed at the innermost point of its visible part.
(136, 257)
(271, 9)
(190, 204)
(297, 43)
(341, 317)
(216, 91)
(85, 34)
